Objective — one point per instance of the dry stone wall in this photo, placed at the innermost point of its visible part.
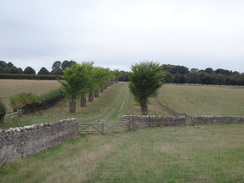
(214, 120)
(20, 142)
(152, 121)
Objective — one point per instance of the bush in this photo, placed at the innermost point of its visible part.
(2, 111)
(30, 102)
(25, 101)
(51, 98)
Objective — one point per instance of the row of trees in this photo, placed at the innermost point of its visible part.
(81, 80)
(57, 68)
(181, 75)
(174, 73)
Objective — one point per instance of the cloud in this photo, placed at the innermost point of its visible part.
(120, 33)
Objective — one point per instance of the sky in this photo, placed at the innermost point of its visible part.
(116, 34)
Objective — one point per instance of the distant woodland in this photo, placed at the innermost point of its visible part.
(173, 74)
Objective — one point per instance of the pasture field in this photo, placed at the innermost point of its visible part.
(210, 154)
(204, 100)
(9, 87)
(213, 153)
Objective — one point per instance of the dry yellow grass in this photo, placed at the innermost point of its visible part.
(9, 87)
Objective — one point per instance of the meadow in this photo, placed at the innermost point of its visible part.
(212, 153)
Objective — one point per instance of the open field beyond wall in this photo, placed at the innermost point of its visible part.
(204, 100)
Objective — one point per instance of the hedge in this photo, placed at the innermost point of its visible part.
(30, 102)
(29, 76)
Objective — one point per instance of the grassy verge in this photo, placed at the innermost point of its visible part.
(203, 100)
(165, 154)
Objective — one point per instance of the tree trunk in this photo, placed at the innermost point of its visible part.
(96, 93)
(91, 97)
(143, 109)
(2, 119)
(83, 101)
(72, 107)
(101, 89)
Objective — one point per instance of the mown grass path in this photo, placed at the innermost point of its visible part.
(112, 103)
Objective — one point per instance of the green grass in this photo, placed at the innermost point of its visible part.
(203, 100)
(164, 154)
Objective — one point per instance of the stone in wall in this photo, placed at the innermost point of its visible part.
(214, 120)
(152, 121)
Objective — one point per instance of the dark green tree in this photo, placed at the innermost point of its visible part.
(169, 78)
(145, 80)
(179, 78)
(14, 70)
(57, 71)
(56, 65)
(29, 70)
(220, 80)
(43, 71)
(67, 64)
(209, 70)
(193, 78)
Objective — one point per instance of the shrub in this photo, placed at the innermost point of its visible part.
(29, 102)
(51, 98)
(26, 101)
(2, 111)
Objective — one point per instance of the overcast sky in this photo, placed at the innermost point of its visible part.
(119, 33)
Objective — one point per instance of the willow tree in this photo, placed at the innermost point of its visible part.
(74, 82)
(145, 80)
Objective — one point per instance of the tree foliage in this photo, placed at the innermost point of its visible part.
(24, 101)
(74, 82)
(43, 71)
(2, 111)
(146, 78)
(29, 70)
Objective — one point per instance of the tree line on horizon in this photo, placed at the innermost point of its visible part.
(181, 75)
(174, 73)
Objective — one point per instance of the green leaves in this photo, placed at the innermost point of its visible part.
(2, 110)
(75, 80)
(24, 99)
(146, 78)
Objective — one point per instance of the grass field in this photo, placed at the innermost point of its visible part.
(204, 100)
(164, 154)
